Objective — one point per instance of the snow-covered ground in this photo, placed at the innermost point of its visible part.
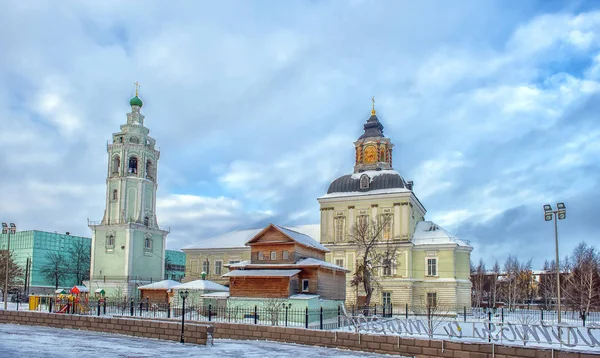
(32, 341)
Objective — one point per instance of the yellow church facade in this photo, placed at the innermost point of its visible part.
(429, 265)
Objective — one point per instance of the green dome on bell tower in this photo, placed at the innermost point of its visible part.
(136, 101)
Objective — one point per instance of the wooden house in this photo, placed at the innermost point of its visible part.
(284, 263)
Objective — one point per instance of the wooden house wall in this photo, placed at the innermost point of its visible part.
(279, 248)
(266, 287)
(157, 296)
(312, 274)
(294, 285)
(331, 284)
(305, 252)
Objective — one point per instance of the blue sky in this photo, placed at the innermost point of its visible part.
(255, 104)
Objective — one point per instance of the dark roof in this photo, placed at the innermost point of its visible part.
(373, 128)
(346, 183)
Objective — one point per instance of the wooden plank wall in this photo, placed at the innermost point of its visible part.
(279, 248)
(267, 287)
(331, 284)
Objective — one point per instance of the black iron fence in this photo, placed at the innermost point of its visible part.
(314, 318)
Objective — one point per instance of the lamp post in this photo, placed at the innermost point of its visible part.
(183, 295)
(7, 229)
(559, 214)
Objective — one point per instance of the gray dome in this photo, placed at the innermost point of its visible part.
(380, 179)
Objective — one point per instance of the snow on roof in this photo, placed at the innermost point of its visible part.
(262, 273)
(373, 173)
(216, 295)
(239, 237)
(315, 262)
(80, 289)
(238, 264)
(303, 296)
(160, 285)
(363, 193)
(201, 285)
(429, 233)
(302, 238)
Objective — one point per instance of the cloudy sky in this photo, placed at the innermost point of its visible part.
(494, 110)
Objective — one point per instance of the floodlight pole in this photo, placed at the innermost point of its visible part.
(557, 263)
(6, 229)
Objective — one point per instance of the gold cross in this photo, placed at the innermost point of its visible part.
(137, 87)
(373, 110)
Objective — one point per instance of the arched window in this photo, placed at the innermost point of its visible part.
(133, 165)
(149, 170)
(115, 194)
(364, 181)
(146, 221)
(110, 241)
(116, 164)
(148, 244)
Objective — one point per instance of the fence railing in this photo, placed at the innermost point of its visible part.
(315, 318)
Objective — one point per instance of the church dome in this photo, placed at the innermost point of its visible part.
(136, 101)
(367, 181)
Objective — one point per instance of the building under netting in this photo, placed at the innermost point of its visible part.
(34, 251)
(174, 265)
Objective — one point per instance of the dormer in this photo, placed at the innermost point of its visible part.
(278, 245)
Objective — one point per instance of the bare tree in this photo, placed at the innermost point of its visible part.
(55, 269)
(478, 278)
(373, 253)
(15, 272)
(494, 284)
(547, 286)
(510, 282)
(273, 308)
(79, 261)
(436, 313)
(582, 286)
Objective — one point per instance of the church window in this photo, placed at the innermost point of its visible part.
(133, 165)
(387, 220)
(149, 170)
(432, 266)
(146, 221)
(115, 194)
(116, 164)
(431, 299)
(363, 221)
(218, 267)
(148, 244)
(110, 242)
(364, 181)
(387, 267)
(340, 228)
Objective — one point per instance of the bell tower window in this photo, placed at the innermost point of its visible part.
(364, 181)
(146, 221)
(115, 194)
(133, 165)
(116, 164)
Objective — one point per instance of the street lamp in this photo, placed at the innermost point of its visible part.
(560, 213)
(183, 295)
(7, 229)
(286, 306)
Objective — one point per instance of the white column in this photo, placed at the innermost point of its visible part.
(330, 234)
(323, 226)
(351, 219)
(374, 214)
(397, 219)
(405, 219)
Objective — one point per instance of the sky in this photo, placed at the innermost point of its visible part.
(493, 108)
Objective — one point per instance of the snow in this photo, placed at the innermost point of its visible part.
(201, 285)
(160, 285)
(38, 342)
(315, 262)
(428, 233)
(364, 193)
(302, 239)
(304, 296)
(374, 173)
(216, 295)
(261, 273)
(237, 239)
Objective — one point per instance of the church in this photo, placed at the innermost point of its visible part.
(128, 246)
(428, 265)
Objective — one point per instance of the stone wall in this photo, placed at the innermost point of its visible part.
(194, 332)
(170, 329)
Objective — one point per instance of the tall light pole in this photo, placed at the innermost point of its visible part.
(559, 214)
(7, 229)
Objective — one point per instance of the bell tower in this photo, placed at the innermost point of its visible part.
(128, 246)
(373, 150)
